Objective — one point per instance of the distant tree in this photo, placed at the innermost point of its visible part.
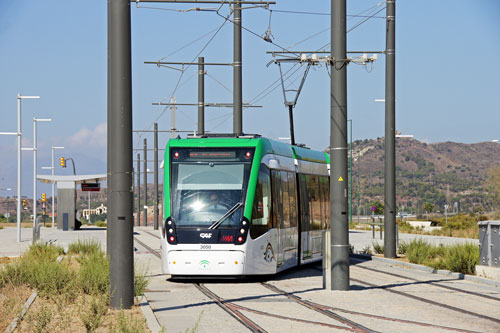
(428, 208)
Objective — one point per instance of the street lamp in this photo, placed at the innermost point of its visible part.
(19, 137)
(35, 121)
(53, 184)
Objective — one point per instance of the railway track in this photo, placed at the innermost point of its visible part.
(432, 283)
(236, 310)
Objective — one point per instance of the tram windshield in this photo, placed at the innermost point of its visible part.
(209, 185)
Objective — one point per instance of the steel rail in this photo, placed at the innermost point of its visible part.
(343, 320)
(428, 301)
(433, 283)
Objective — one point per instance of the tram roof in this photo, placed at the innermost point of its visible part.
(268, 146)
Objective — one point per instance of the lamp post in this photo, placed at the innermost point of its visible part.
(35, 122)
(6, 189)
(53, 184)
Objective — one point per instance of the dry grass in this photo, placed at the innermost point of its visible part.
(63, 315)
(11, 301)
(14, 225)
(5, 260)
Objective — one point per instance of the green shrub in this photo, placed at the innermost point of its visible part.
(462, 258)
(141, 280)
(92, 314)
(93, 276)
(127, 324)
(39, 269)
(85, 247)
(101, 224)
(402, 248)
(378, 248)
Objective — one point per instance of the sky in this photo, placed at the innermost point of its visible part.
(447, 74)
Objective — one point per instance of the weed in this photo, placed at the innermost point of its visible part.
(128, 325)
(93, 276)
(85, 247)
(402, 248)
(462, 258)
(366, 250)
(40, 320)
(141, 280)
(195, 328)
(92, 315)
(379, 249)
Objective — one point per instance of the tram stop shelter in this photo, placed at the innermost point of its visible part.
(66, 196)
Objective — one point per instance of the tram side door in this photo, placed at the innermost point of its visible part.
(278, 214)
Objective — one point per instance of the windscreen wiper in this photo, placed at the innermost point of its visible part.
(230, 212)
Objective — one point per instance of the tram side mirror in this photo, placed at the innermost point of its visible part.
(274, 164)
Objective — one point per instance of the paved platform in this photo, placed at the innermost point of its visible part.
(383, 296)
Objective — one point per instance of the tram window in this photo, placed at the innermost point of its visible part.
(314, 201)
(292, 190)
(261, 217)
(285, 199)
(305, 219)
(276, 189)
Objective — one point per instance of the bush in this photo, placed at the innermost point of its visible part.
(462, 258)
(85, 247)
(379, 249)
(93, 276)
(39, 269)
(101, 224)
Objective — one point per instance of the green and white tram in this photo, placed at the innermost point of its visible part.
(242, 206)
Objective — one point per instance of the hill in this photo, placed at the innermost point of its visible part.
(438, 173)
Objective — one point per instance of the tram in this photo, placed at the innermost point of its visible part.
(238, 206)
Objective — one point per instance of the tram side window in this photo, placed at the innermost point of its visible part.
(314, 201)
(285, 199)
(292, 190)
(261, 212)
(276, 192)
(304, 201)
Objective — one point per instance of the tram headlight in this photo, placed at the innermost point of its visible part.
(244, 222)
(170, 231)
(242, 230)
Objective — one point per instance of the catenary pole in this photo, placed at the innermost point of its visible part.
(120, 197)
(201, 96)
(390, 138)
(237, 76)
(145, 175)
(338, 150)
(19, 196)
(156, 200)
(138, 217)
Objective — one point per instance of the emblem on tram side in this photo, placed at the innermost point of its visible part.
(206, 235)
(269, 253)
(204, 264)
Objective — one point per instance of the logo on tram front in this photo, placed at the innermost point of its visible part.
(204, 264)
(206, 235)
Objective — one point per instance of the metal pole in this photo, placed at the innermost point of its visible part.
(138, 217)
(173, 110)
(359, 188)
(350, 171)
(53, 171)
(88, 217)
(201, 95)
(338, 150)
(34, 172)
(390, 124)
(120, 196)
(19, 197)
(145, 174)
(237, 76)
(292, 132)
(156, 201)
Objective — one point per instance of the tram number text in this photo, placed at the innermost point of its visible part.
(205, 247)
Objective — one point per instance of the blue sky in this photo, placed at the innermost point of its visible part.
(447, 79)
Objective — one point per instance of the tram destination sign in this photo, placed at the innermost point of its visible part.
(91, 187)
